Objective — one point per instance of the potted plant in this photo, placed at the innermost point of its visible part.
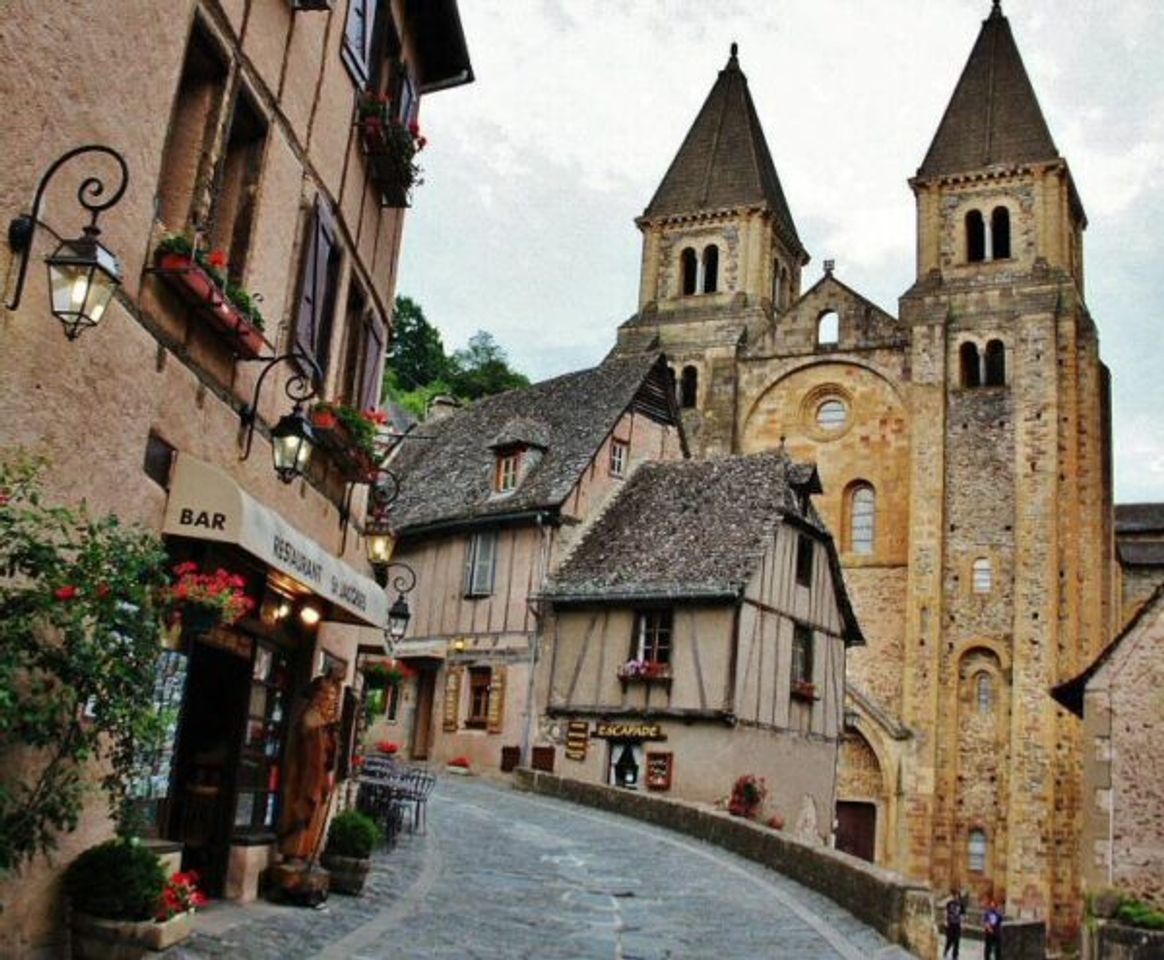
(803, 690)
(748, 793)
(391, 147)
(199, 601)
(458, 765)
(122, 906)
(352, 437)
(199, 277)
(348, 854)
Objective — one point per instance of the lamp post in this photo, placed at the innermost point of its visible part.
(292, 439)
(83, 273)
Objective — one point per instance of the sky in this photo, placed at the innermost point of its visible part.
(535, 172)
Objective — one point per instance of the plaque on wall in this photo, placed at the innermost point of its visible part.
(659, 766)
(577, 737)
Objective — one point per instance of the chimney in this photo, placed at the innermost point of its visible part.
(442, 406)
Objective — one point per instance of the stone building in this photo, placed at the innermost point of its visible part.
(697, 634)
(964, 450)
(266, 134)
(1139, 531)
(491, 499)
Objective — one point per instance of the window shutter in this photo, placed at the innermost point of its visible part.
(496, 699)
(483, 574)
(373, 363)
(452, 697)
(358, 35)
(314, 286)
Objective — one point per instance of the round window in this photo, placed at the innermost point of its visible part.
(831, 415)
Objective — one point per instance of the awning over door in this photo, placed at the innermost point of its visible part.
(206, 504)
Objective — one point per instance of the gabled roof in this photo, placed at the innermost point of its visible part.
(1139, 518)
(993, 116)
(724, 160)
(694, 530)
(448, 479)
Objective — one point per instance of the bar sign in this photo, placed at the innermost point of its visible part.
(577, 736)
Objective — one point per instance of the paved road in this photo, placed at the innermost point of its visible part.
(501, 875)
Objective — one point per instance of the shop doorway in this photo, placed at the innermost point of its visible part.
(857, 829)
(422, 720)
(626, 764)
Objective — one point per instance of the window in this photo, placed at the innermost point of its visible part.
(982, 575)
(801, 654)
(985, 691)
(832, 414)
(406, 98)
(479, 564)
(479, 684)
(1000, 233)
(317, 288)
(359, 32)
(688, 387)
(804, 555)
(995, 364)
(710, 268)
(232, 207)
(507, 467)
(828, 328)
(618, 457)
(186, 161)
(862, 519)
(688, 266)
(975, 237)
(968, 361)
(363, 373)
(159, 460)
(652, 639)
(977, 851)
(260, 756)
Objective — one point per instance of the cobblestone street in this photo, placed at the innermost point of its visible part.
(501, 874)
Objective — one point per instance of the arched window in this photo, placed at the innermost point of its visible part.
(977, 850)
(785, 288)
(828, 328)
(777, 300)
(971, 375)
(688, 384)
(982, 575)
(975, 237)
(862, 518)
(1000, 233)
(985, 691)
(688, 264)
(710, 268)
(995, 364)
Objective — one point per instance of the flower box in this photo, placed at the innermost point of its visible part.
(391, 150)
(354, 463)
(198, 289)
(804, 690)
(644, 671)
(96, 939)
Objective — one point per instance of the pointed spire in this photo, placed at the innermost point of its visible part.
(994, 115)
(724, 159)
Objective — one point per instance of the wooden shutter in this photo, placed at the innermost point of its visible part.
(452, 697)
(315, 293)
(496, 699)
(358, 34)
(373, 365)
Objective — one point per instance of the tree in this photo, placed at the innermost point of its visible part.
(80, 635)
(482, 369)
(417, 355)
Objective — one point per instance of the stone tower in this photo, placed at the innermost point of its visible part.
(964, 448)
(721, 257)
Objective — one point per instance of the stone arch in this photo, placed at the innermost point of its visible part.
(867, 771)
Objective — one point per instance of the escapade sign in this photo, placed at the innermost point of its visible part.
(206, 504)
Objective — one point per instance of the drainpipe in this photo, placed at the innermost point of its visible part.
(534, 641)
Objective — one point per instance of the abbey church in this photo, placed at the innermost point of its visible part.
(964, 447)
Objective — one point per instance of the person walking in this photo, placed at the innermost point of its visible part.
(953, 923)
(992, 931)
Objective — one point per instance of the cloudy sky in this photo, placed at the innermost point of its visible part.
(535, 173)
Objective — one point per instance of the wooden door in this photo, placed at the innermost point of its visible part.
(422, 721)
(857, 829)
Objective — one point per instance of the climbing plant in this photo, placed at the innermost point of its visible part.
(79, 631)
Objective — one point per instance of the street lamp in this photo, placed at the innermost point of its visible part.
(292, 439)
(83, 274)
(398, 617)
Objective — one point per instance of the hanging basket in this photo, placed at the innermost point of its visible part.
(198, 620)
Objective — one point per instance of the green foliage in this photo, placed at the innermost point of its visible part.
(247, 305)
(116, 880)
(1111, 903)
(417, 355)
(80, 633)
(482, 369)
(352, 834)
(1139, 914)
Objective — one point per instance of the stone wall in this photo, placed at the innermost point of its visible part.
(1112, 941)
(900, 910)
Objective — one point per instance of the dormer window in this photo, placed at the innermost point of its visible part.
(508, 464)
(618, 457)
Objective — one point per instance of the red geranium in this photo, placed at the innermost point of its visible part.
(67, 592)
(180, 895)
(217, 259)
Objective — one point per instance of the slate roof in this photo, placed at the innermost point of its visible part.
(1139, 518)
(448, 479)
(994, 115)
(724, 160)
(693, 529)
(1141, 554)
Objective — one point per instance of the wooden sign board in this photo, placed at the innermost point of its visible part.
(629, 731)
(659, 767)
(577, 738)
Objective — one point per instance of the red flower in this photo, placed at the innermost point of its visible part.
(67, 592)
(420, 143)
(183, 568)
(414, 128)
(217, 259)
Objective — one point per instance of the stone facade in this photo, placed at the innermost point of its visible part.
(964, 448)
(235, 120)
